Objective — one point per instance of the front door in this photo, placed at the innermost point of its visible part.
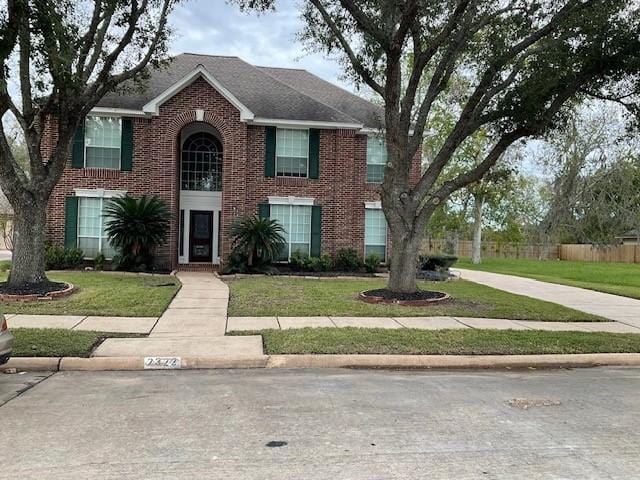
(201, 236)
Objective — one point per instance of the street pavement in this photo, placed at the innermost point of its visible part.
(324, 424)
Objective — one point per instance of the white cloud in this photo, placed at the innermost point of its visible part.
(269, 39)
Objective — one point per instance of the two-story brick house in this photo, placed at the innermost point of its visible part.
(217, 138)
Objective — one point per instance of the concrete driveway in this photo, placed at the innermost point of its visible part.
(320, 424)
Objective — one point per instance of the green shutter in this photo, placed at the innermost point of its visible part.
(316, 230)
(77, 150)
(264, 211)
(71, 222)
(314, 153)
(270, 152)
(126, 145)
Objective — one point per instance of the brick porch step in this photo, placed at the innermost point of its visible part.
(198, 267)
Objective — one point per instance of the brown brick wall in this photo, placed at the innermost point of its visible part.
(341, 188)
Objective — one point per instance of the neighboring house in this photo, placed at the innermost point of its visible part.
(217, 138)
(632, 237)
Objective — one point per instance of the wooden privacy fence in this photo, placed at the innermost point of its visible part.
(606, 253)
(462, 248)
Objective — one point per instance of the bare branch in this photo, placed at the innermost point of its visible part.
(358, 66)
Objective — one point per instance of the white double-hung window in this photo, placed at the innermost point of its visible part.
(376, 158)
(295, 219)
(292, 152)
(375, 233)
(102, 142)
(92, 237)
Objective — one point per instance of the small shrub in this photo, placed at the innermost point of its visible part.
(437, 262)
(239, 263)
(326, 262)
(60, 258)
(372, 262)
(99, 261)
(312, 264)
(348, 260)
(298, 260)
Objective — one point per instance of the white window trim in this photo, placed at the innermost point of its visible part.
(276, 159)
(99, 237)
(113, 148)
(291, 202)
(99, 193)
(376, 206)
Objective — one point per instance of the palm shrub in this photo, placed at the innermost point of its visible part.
(255, 241)
(135, 227)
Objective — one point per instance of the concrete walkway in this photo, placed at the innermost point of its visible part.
(614, 307)
(424, 323)
(193, 325)
(140, 325)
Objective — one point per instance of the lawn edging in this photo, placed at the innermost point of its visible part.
(582, 360)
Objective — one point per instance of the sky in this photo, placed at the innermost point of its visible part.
(269, 39)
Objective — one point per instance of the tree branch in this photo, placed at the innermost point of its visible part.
(358, 66)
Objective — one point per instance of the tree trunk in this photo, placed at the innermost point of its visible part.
(476, 244)
(402, 265)
(28, 262)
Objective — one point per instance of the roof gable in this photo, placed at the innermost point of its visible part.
(260, 95)
(153, 105)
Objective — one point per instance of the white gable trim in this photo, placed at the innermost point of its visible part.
(153, 106)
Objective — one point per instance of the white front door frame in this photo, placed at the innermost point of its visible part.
(200, 201)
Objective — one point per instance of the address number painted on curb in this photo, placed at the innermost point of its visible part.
(162, 363)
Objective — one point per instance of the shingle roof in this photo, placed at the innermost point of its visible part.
(283, 94)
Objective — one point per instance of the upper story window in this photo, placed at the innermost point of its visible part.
(102, 142)
(201, 163)
(376, 159)
(292, 152)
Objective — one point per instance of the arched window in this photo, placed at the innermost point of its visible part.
(201, 163)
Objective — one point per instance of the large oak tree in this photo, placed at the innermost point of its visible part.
(527, 62)
(58, 58)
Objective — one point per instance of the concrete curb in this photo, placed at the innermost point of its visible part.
(33, 364)
(454, 361)
(39, 364)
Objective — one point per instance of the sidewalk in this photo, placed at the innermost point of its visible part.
(614, 307)
(423, 323)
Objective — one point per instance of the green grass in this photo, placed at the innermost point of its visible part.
(41, 342)
(442, 342)
(617, 278)
(284, 296)
(106, 294)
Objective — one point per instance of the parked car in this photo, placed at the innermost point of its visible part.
(6, 341)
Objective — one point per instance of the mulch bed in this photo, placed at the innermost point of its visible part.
(37, 291)
(418, 298)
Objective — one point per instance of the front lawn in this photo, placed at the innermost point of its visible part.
(617, 278)
(105, 294)
(285, 296)
(41, 342)
(442, 342)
